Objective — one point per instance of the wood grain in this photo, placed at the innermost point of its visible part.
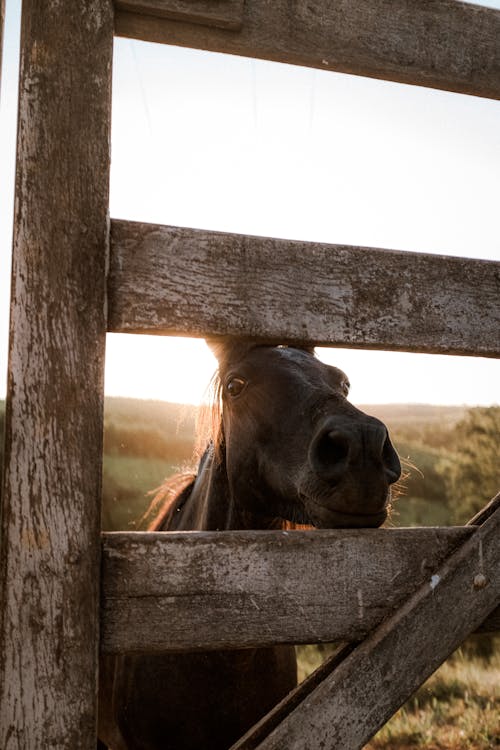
(49, 565)
(273, 718)
(224, 14)
(441, 44)
(372, 682)
(194, 282)
(201, 590)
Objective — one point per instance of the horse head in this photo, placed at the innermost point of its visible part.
(293, 445)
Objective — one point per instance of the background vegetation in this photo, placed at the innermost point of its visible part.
(144, 442)
(454, 469)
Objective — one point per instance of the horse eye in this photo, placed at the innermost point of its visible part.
(235, 386)
(345, 387)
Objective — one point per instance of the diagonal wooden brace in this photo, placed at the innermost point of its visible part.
(360, 689)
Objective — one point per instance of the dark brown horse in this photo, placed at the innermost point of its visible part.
(288, 449)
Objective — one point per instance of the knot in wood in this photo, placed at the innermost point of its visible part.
(480, 581)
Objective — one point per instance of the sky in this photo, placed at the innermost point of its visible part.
(232, 144)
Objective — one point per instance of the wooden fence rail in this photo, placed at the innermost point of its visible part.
(442, 44)
(189, 591)
(189, 281)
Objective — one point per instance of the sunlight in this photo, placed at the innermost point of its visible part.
(158, 367)
(179, 370)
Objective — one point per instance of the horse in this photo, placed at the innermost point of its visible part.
(286, 450)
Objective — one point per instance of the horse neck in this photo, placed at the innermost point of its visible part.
(208, 504)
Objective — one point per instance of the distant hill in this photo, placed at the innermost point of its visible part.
(396, 415)
(181, 418)
(152, 429)
(418, 423)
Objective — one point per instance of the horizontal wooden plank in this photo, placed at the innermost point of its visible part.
(194, 282)
(203, 590)
(224, 14)
(441, 44)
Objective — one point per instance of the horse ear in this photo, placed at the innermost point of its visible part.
(306, 348)
(226, 348)
(218, 346)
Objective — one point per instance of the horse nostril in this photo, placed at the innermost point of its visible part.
(391, 462)
(333, 447)
(329, 455)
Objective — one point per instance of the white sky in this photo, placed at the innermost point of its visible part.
(232, 144)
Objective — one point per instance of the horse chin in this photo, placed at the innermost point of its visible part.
(323, 517)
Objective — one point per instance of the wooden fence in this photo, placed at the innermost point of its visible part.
(433, 587)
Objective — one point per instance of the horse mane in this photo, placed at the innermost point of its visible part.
(209, 429)
(166, 496)
(164, 499)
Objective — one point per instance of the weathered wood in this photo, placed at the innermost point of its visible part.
(51, 502)
(270, 721)
(442, 44)
(491, 624)
(224, 14)
(370, 684)
(188, 281)
(175, 591)
(481, 516)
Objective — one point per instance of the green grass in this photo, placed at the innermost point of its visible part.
(418, 511)
(127, 482)
(458, 708)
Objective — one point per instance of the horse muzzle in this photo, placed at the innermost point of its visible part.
(351, 466)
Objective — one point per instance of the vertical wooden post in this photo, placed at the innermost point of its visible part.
(51, 501)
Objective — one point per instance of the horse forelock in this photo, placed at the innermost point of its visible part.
(209, 427)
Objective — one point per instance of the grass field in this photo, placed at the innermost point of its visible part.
(127, 484)
(458, 708)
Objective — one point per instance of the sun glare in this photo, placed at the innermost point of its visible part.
(158, 367)
(180, 369)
